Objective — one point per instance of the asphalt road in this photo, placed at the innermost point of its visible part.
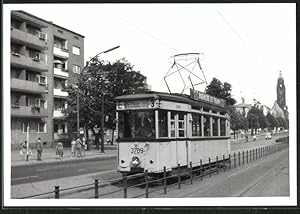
(34, 173)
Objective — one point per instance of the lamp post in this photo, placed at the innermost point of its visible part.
(102, 99)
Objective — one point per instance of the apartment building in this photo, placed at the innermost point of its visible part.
(45, 58)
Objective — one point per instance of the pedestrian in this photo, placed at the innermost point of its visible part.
(73, 145)
(39, 149)
(246, 138)
(83, 145)
(78, 147)
(23, 147)
(59, 150)
(254, 137)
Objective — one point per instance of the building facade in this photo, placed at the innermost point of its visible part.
(44, 59)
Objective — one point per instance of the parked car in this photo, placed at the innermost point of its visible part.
(268, 136)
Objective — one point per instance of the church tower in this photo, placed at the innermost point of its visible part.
(281, 92)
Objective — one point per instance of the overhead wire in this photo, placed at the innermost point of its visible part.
(143, 31)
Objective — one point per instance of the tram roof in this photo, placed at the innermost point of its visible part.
(182, 98)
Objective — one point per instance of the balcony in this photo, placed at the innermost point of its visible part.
(27, 86)
(26, 62)
(28, 111)
(61, 73)
(60, 93)
(58, 114)
(64, 53)
(36, 41)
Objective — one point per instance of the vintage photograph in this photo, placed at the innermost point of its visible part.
(176, 104)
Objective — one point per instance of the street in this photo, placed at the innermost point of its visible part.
(34, 173)
(49, 171)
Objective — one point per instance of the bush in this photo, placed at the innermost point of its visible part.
(283, 139)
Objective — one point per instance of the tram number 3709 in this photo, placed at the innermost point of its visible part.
(137, 150)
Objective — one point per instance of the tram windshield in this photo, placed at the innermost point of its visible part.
(136, 124)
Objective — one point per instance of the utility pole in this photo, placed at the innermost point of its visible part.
(27, 145)
(102, 116)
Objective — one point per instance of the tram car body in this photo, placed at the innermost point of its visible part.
(157, 130)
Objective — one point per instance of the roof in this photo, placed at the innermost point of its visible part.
(181, 98)
(48, 22)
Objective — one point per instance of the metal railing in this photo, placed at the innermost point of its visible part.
(193, 171)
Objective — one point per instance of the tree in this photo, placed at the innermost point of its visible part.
(99, 78)
(284, 123)
(237, 120)
(218, 89)
(256, 119)
(272, 121)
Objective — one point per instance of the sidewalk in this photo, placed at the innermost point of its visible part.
(49, 155)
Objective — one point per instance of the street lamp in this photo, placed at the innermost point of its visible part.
(102, 99)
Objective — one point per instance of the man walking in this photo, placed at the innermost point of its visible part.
(39, 149)
(78, 147)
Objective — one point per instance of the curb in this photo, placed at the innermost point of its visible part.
(64, 160)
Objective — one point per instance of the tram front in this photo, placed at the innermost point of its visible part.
(136, 127)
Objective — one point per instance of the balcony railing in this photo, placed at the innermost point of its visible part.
(58, 114)
(61, 72)
(28, 86)
(38, 63)
(60, 92)
(39, 39)
(61, 52)
(28, 111)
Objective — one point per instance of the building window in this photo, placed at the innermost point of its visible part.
(42, 80)
(76, 50)
(24, 126)
(76, 69)
(41, 103)
(41, 127)
(26, 101)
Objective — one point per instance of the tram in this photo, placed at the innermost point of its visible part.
(157, 130)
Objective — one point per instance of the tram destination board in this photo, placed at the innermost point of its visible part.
(137, 104)
(199, 96)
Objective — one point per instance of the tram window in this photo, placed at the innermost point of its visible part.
(121, 125)
(137, 124)
(223, 127)
(163, 123)
(181, 126)
(172, 124)
(196, 125)
(215, 126)
(206, 109)
(206, 125)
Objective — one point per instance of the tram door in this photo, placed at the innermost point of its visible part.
(178, 131)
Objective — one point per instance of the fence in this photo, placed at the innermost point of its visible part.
(144, 188)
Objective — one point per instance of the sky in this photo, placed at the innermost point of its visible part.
(245, 45)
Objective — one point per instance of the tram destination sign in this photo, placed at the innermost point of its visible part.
(199, 96)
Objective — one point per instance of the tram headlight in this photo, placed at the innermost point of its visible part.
(135, 161)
